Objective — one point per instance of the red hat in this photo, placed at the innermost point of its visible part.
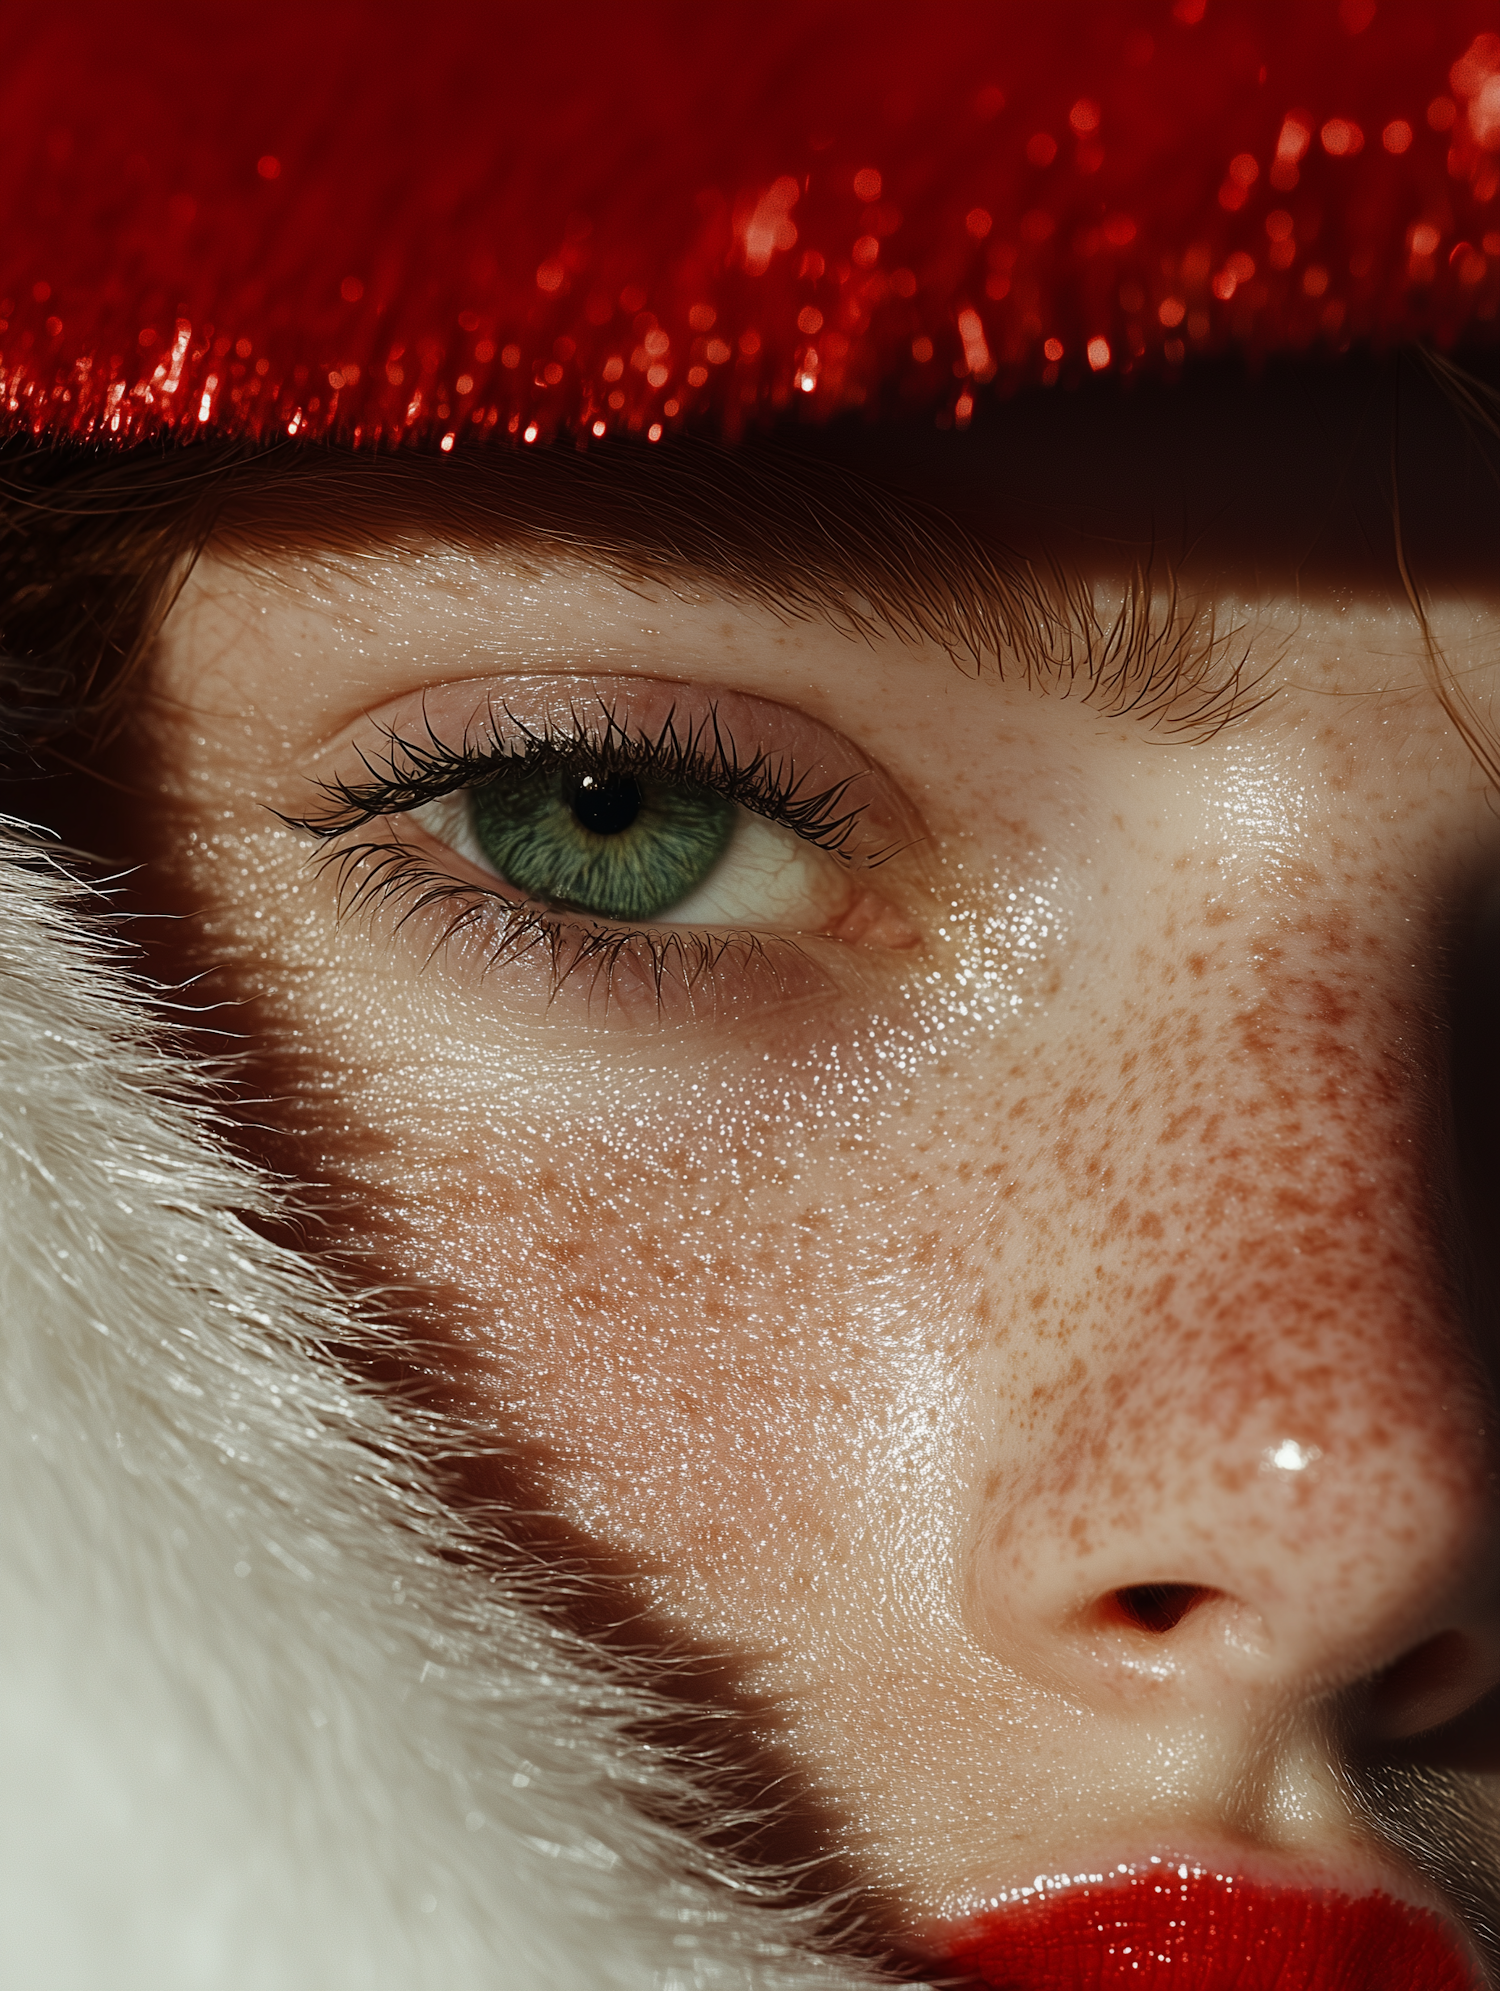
(464, 221)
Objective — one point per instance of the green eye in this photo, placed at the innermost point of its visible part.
(624, 847)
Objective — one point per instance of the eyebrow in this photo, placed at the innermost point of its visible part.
(805, 538)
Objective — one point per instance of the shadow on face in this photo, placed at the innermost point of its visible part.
(995, 1277)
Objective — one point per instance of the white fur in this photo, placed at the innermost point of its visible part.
(254, 1730)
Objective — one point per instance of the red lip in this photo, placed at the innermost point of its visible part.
(1209, 1932)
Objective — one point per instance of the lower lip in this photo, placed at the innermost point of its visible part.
(1210, 1932)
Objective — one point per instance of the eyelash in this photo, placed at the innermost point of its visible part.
(373, 873)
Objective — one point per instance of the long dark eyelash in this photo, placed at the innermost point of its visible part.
(370, 873)
(421, 771)
(376, 871)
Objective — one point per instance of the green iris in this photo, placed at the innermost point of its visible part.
(623, 846)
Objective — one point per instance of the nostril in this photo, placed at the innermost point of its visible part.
(1156, 1607)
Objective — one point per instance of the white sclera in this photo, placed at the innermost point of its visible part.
(766, 877)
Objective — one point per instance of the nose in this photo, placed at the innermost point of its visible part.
(1271, 1479)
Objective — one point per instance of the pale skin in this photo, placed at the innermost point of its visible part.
(1062, 1204)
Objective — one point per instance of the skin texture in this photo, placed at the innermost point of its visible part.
(1098, 1216)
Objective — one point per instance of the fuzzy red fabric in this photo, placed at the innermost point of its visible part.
(454, 221)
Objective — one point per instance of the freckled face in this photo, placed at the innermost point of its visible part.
(1023, 1326)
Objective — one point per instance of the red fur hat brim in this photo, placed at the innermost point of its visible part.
(464, 220)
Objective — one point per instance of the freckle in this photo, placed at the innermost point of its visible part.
(1198, 966)
(1037, 1300)
(1232, 1480)
(1150, 1225)
(1293, 1203)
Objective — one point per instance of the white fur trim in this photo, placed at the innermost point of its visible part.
(254, 1732)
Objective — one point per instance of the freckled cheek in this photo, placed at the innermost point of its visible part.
(735, 1339)
(1235, 1237)
(753, 1358)
(707, 1365)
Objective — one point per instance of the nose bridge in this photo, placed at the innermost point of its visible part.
(1281, 1410)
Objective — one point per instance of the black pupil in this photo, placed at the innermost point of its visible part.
(606, 806)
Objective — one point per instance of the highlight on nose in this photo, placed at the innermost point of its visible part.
(1265, 1575)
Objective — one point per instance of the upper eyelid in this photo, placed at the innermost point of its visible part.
(418, 771)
